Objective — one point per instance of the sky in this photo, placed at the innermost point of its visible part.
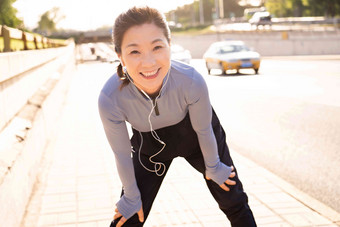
(86, 14)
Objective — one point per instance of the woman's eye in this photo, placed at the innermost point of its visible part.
(134, 52)
(157, 47)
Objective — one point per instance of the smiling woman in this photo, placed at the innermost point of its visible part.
(167, 103)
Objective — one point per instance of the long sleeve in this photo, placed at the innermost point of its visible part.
(200, 114)
(118, 138)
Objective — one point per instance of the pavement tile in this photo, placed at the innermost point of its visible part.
(279, 224)
(96, 214)
(67, 225)
(48, 219)
(57, 209)
(192, 225)
(315, 218)
(309, 219)
(262, 211)
(104, 223)
(87, 224)
(216, 224)
(216, 217)
(159, 220)
(268, 220)
(290, 210)
(52, 206)
(67, 218)
(275, 197)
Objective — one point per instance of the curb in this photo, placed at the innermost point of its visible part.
(299, 195)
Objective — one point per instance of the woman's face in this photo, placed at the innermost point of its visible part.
(146, 56)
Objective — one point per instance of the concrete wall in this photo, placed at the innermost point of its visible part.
(21, 74)
(268, 43)
(24, 140)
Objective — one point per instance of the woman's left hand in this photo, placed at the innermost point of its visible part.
(123, 219)
(228, 181)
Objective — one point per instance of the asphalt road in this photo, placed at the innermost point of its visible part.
(286, 119)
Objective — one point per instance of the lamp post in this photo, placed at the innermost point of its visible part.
(217, 17)
(217, 10)
(221, 9)
(201, 12)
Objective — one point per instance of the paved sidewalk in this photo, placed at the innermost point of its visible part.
(80, 184)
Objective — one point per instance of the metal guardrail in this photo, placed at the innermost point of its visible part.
(287, 21)
(27, 41)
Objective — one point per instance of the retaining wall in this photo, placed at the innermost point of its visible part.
(268, 43)
(37, 93)
(22, 73)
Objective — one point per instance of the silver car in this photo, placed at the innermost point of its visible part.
(180, 54)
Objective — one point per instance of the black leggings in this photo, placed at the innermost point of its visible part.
(181, 141)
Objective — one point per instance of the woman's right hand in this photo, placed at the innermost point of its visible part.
(123, 219)
(228, 181)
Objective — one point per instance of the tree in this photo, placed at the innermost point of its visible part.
(8, 14)
(297, 8)
(232, 8)
(48, 21)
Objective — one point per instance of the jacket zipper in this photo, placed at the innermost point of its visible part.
(156, 107)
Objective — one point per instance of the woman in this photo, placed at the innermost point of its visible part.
(167, 104)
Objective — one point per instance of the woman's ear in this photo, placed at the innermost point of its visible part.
(121, 60)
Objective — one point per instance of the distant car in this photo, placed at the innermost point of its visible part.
(105, 53)
(261, 18)
(180, 54)
(228, 55)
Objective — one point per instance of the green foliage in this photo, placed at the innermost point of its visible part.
(297, 8)
(1, 44)
(232, 9)
(16, 45)
(189, 15)
(48, 21)
(8, 14)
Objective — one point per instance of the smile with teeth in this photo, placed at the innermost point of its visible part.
(149, 74)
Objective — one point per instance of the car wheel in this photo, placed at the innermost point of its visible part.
(256, 71)
(209, 69)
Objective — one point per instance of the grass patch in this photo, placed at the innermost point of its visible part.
(198, 30)
(1, 44)
(15, 45)
(18, 45)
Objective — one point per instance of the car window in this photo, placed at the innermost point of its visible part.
(226, 49)
(176, 48)
(233, 48)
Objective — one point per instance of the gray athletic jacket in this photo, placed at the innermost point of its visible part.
(185, 90)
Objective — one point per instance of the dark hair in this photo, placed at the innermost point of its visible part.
(136, 16)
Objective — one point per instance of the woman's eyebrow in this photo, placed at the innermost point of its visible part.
(157, 40)
(131, 45)
(135, 45)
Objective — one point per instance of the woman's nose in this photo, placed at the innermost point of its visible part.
(148, 60)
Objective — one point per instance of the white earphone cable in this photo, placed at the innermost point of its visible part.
(157, 165)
